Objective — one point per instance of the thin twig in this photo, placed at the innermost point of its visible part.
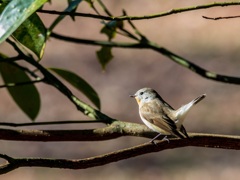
(10, 59)
(150, 45)
(50, 79)
(104, 8)
(32, 73)
(75, 14)
(22, 83)
(49, 123)
(132, 18)
(219, 18)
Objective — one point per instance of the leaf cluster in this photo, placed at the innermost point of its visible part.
(22, 28)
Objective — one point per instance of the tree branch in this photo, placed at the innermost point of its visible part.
(50, 123)
(50, 79)
(197, 140)
(115, 130)
(122, 18)
(21, 83)
(218, 18)
(150, 45)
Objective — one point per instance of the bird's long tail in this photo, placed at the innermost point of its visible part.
(198, 99)
(182, 111)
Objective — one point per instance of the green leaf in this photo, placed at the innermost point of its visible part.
(72, 6)
(25, 96)
(80, 84)
(90, 2)
(104, 56)
(110, 28)
(32, 34)
(3, 5)
(15, 13)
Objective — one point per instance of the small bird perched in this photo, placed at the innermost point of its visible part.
(159, 116)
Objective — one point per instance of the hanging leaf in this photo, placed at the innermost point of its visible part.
(72, 5)
(15, 13)
(80, 84)
(32, 34)
(90, 2)
(110, 28)
(104, 56)
(25, 96)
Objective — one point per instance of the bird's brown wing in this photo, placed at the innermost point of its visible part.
(183, 130)
(155, 114)
(174, 130)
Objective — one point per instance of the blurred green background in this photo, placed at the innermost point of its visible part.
(213, 45)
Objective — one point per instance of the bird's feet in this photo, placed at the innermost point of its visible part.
(153, 142)
(163, 139)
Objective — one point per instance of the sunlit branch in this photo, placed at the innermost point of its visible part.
(197, 140)
(150, 45)
(132, 18)
(219, 18)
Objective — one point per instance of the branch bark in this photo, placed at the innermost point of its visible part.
(220, 18)
(197, 140)
(132, 18)
(153, 46)
(112, 131)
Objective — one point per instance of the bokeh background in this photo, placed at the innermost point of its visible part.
(213, 45)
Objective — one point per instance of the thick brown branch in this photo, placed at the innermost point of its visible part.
(115, 130)
(198, 140)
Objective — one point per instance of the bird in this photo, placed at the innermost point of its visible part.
(159, 116)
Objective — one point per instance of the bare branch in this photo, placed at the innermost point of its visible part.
(21, 83)
(219, 18)
(151, 45)
(122, 18)
(115, 130)
(197, 140)
(50, 123)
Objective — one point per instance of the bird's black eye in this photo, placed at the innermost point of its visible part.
(141, 93)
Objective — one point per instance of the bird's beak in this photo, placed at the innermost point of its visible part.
(133, 96)
(137, 99)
